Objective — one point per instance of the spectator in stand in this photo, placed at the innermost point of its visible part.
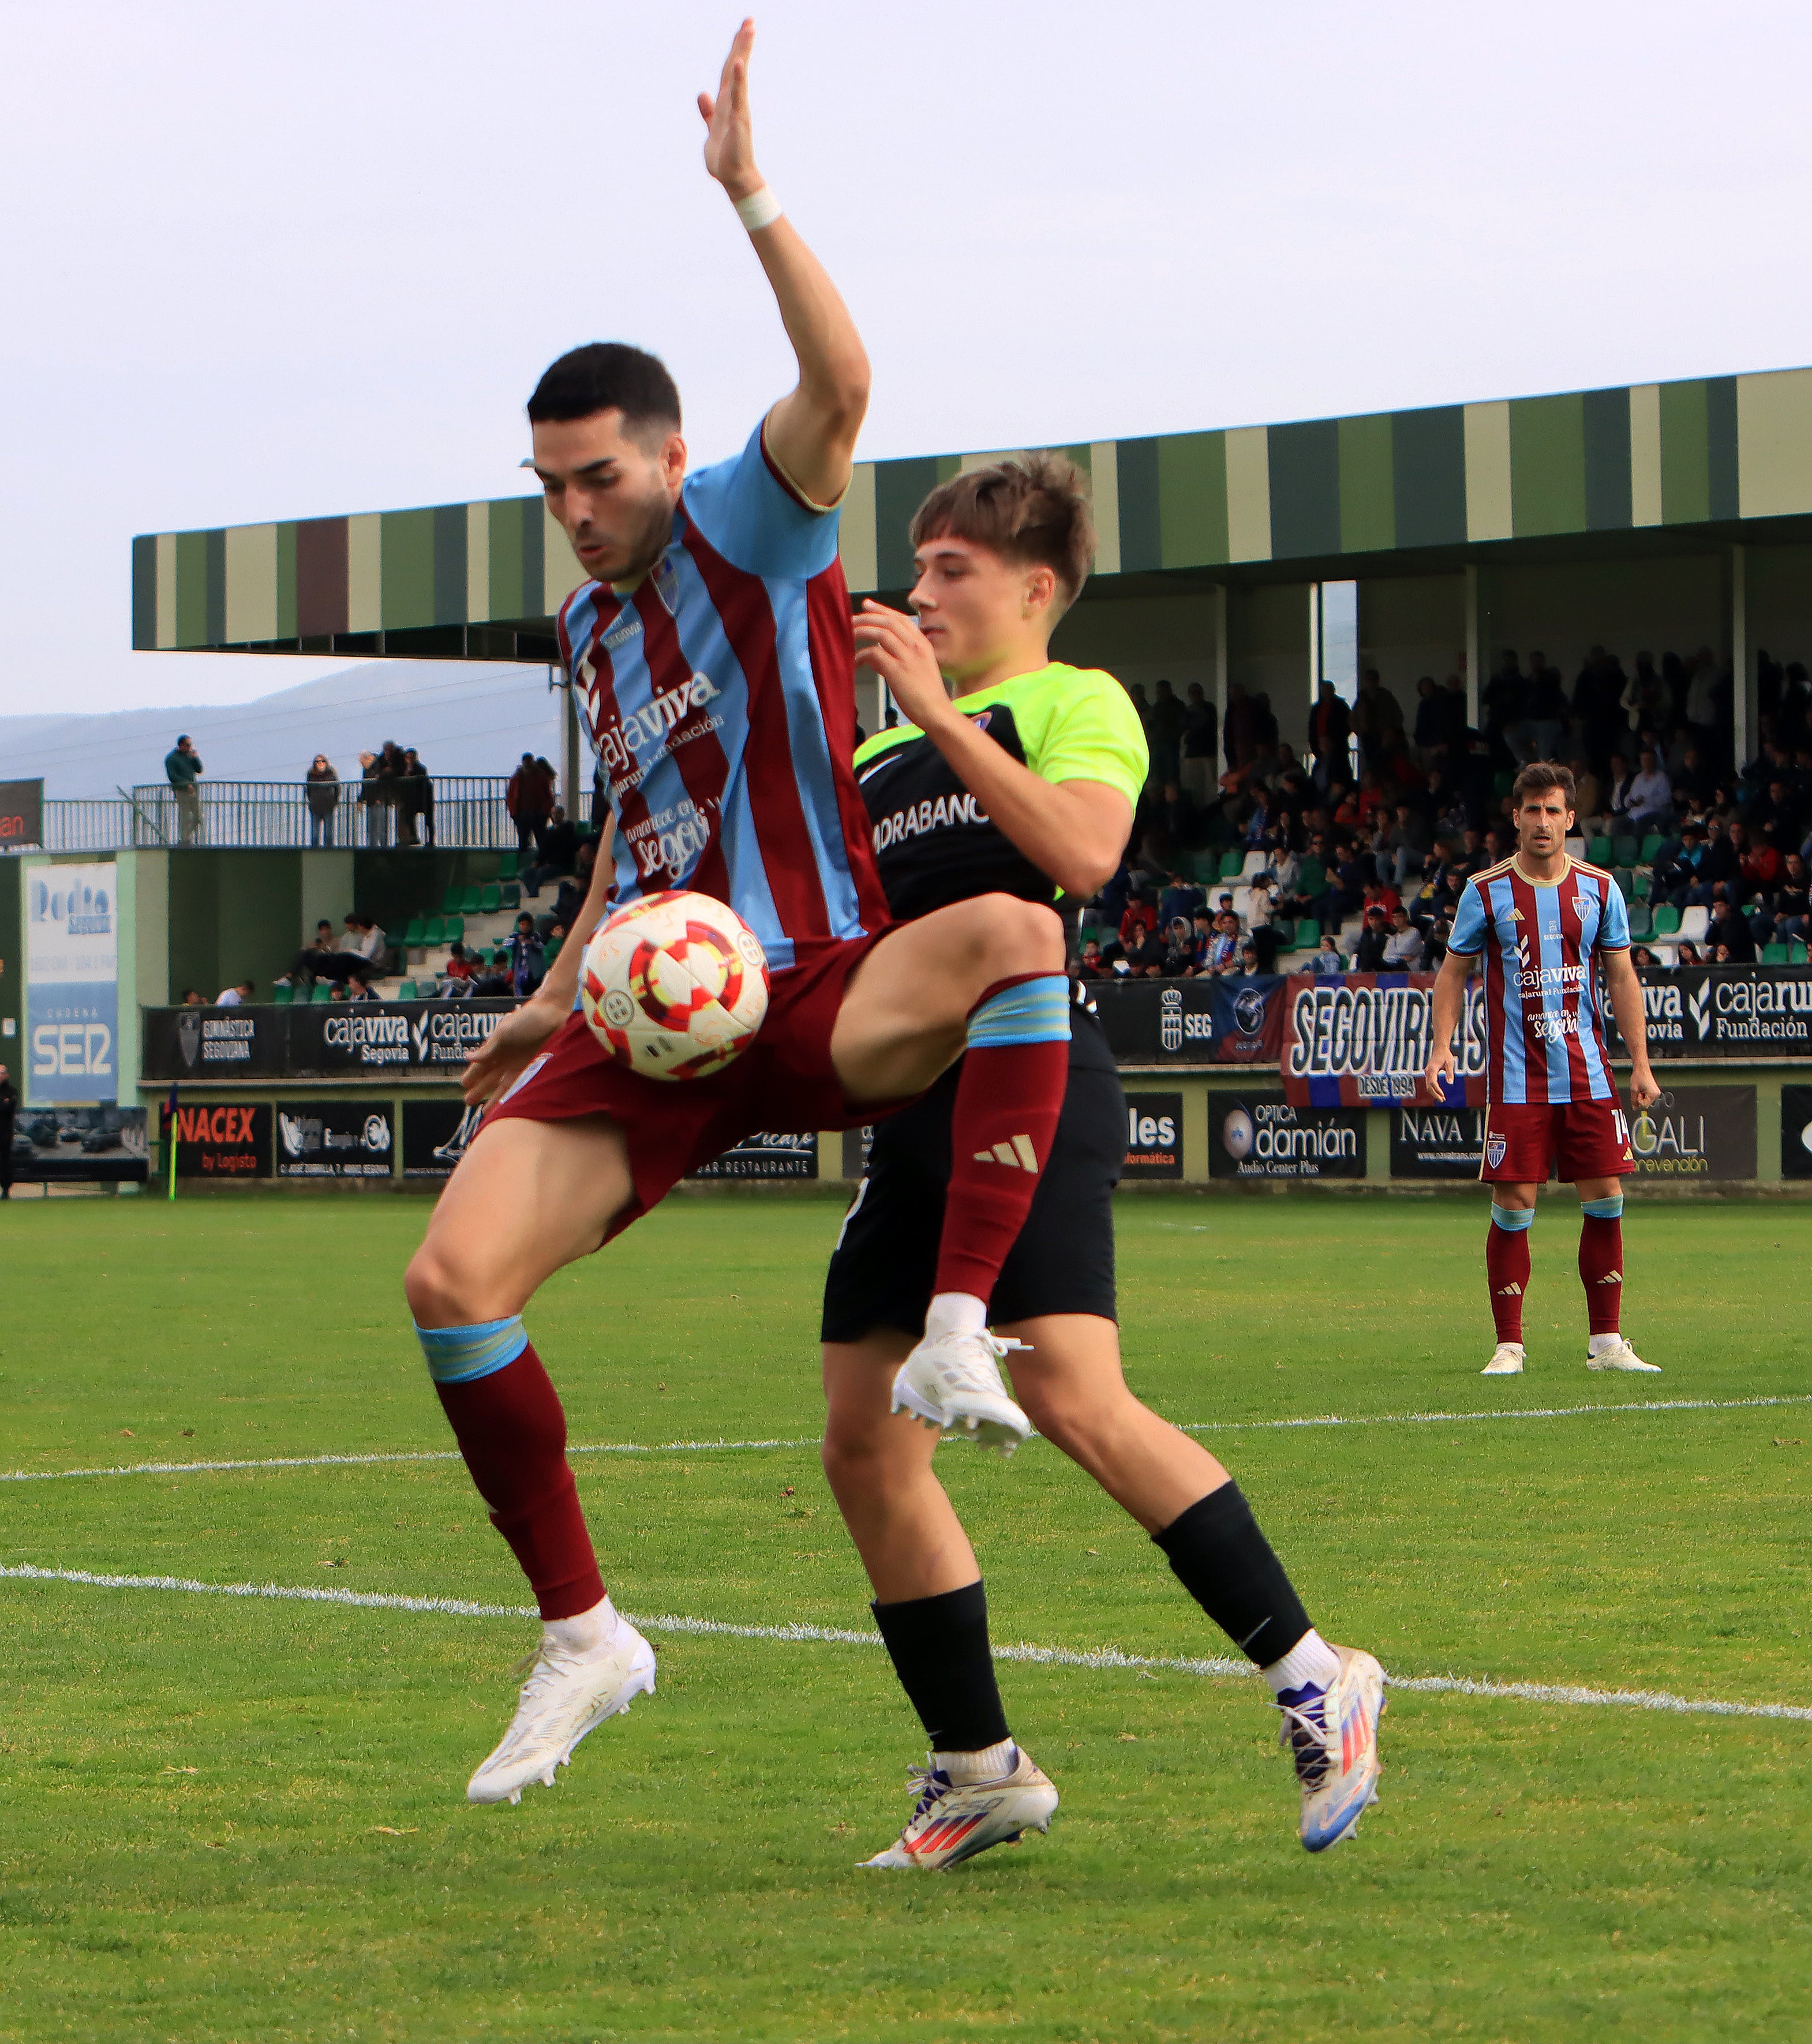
(414, 801)
(529, 799)
(1703, 692)
(363, 951)
(1588, 795)
(1330, 733)
(1381, 895)
(1180, 900)
(1760, 865)
(1163, 733)
(1776, 810)
(1375, 713)
(458, 965)
(1406, 842)
(1433, 726)
(1261, 929)
(1222, 952)
(1145, 956)
(1174, 813)
(1650, 802)
(1368, 953)
(1201, 747)
(1597, 703)
(1089, 965)
(1502, 703)
(1180, 949)
(8, 1107)
(239, 996)
(192, 999)
(527, 965)
(1643, 959)
(1327, 963)
(1243, 728)
(182, 769)
(1676, 872)
(321, 789)
(493, 982)
(1404, 947)
(1784, 917)
(1728, 935)
(1690, 955)
(1345, 895)
(1690, 778)
(377, 797)
(1538, 733)
(1139, 921)
(1619, 785)
(573, 890)
(557, 852)
(1647, 699)
(1440, 938)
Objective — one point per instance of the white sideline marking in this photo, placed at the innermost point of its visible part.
(813, 1440)
(1059, 1656)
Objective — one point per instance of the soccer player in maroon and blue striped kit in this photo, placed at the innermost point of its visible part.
(713, 653)
(1554, 936)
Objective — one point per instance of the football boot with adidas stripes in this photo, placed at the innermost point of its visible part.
(955, 1820)
(952, 1381)
(1331, 1734)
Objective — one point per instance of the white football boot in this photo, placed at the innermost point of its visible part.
(567, 1694)
(1333, 1739)
(955, 1820)
(1621, 1356)
(953, 1382)
(1506, 1361)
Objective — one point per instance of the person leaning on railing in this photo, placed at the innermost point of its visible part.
(322, 794)
(182, 768)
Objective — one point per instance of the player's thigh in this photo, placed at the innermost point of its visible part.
(527, 1198)
(904, 1011)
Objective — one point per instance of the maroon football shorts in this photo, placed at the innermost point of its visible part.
(1587, 1138)
(784, 1080)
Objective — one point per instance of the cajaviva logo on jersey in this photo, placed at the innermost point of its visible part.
(622, 742)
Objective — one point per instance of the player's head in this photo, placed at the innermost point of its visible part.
(999, 554)
(1542, 798)
(607, 447)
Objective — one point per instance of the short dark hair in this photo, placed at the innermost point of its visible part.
(1033, 510)
(608, 376)
(1539, 776)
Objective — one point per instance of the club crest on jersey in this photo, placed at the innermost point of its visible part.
(1495, 1147)
(666, 579)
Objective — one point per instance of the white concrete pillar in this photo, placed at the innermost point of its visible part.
(1476, 639)
(1220, 674)
(1744, 707)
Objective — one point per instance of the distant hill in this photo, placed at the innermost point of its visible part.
(463, 718)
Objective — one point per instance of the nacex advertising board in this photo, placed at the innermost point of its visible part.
(217, 1140)
(1265, 1136)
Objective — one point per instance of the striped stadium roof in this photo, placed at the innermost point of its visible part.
(486, 578)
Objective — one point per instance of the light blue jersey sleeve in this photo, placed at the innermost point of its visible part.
(757, 522)
(1614, 921)
(1469, 922)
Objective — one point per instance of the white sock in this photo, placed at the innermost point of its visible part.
(1599, 1343)
(955, 1313)
(585, 1633)
(1311, 1663)
(989, 1763)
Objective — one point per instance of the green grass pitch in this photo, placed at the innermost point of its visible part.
(239, 1820)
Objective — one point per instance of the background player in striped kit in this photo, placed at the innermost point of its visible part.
(1554, 936)
(1026, 783)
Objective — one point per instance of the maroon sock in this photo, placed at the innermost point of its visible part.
(1506, 1264)
(1601, 1271)
(1008, 1101)
(512, 1432)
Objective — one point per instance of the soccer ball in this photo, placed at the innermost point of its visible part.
(674, 986)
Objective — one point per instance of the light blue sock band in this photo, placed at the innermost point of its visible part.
(1512, 1221)
(457, 1355)
(1610, 1209)
(1035, 1011)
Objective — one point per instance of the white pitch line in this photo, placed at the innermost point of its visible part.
(1058, 1657)
(813, 1440)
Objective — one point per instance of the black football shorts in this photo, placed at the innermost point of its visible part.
(883, 1272)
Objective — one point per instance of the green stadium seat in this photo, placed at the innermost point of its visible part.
(1651, 848)
(507, 865)
(490, 899)
(450, 902)
(1640, 921)
(1625, 880)
(550, 950)
(1795, 952)
(1233, 863)
(1598, 851)
(1666, 920)
(1313, 877)
(470, 901)
(1623, 850)
(417, 932)
(511, 894)
(1776, 955)
(453, 930)
(322, 995)
(283, 994)
(433, 932)
(406, 991)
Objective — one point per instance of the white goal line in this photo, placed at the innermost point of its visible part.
(813, 1440)
(830, 1635)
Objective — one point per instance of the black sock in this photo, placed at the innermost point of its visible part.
(1225, 1563)
(940, 1650)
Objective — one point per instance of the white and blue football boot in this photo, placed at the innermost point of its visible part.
(955, 1820)
(1331, 1734)
(952, 1381)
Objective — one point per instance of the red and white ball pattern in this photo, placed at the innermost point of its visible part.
(675, 985)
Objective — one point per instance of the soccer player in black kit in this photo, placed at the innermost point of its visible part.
(1020, 775)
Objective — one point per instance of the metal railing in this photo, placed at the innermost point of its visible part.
(464, 812)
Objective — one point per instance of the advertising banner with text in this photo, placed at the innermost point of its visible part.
(93, 1143)
(1264, 1135)
(342, 1040)
(333, 1139)
(1362, 1040)
(71, 985)
(1154, 1135)
(765, 1156)
(214, 1142)
(22, 813)
(435, 1133)
(1727, 1011)
(1696, 1132)
(1222, 1021)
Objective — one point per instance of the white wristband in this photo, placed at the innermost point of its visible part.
(760, 208)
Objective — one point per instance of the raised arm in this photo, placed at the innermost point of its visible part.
(811, 433)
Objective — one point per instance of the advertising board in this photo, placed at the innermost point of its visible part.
(1154, 1135)
(72, 991)
(333, 1139)
(1266, 1136)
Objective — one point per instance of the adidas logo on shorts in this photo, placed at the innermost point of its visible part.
(1018, 1152)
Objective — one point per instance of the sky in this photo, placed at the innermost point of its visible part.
(282, 263)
